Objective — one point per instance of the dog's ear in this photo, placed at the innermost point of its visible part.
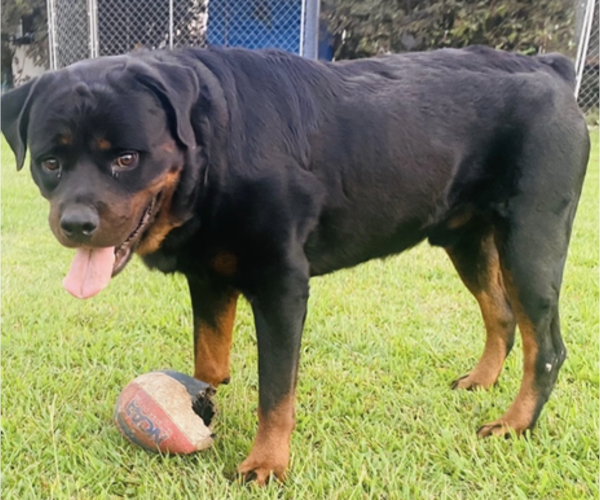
(178, 90)
(15, 118)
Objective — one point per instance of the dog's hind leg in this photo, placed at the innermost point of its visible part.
(475, 257)
(532, 237)
(533, 283)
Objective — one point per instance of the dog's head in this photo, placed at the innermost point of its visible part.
(108, 142)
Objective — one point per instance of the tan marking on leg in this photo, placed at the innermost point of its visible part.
(213, 344)
(270, 453)
(498, 319)
(499, 325)
(520, 414)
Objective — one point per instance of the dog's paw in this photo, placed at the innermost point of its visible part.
(501, 428)
(261, 470)
(472, 382)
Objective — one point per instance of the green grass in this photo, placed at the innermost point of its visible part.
(375, 416)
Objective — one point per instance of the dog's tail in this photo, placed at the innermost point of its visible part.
(561, 65)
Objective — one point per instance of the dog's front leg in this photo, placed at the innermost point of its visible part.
(279, 306)
(214, 314)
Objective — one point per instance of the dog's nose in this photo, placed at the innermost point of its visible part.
(79, 222)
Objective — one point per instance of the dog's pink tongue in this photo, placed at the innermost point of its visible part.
(90, 271)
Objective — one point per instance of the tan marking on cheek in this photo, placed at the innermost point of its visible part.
(54, 222)
(169, 147)
(225, 264)
(164, 222)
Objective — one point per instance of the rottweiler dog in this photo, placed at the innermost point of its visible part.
(250, 172)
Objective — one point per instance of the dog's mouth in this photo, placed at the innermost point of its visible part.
(93, 268)
(125, 250)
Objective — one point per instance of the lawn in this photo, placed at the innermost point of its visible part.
(375, 418)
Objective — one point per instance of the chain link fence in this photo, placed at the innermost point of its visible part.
(124, 25)
(68, 32)
(90, 28)
(79, 29)
(587, 63)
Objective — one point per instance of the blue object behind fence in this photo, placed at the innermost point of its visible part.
(255, 24)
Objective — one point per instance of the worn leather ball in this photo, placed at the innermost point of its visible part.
(166, 411)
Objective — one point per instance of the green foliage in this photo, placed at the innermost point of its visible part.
(13, 10)
(12, 13)
(367, 27)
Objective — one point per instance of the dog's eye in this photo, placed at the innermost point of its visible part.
(50, 164)
(125, 161)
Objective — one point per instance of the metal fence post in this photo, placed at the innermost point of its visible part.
(302, 28)
(584, 41)
(309, 31)
(588, 58)
(171, 24)
(93, 24)
(51, 35)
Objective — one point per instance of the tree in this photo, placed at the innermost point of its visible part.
(367, 27)
(33, 15)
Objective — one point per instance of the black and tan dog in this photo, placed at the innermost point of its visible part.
(250, 172)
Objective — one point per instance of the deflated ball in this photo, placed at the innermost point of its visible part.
(166, 411)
